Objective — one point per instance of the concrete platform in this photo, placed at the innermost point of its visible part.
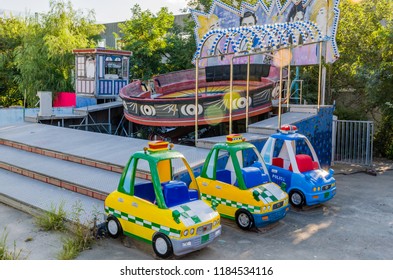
(270, 126)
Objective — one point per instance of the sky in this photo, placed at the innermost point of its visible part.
(106, 11)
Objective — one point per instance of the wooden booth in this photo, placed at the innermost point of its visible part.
(101, 73)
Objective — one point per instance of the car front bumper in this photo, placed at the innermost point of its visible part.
(187, 245)
(320, 197)
(262, 220)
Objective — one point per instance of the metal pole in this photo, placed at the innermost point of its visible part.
(289, 84)
(247, 90)
(24, 105)
(196, 98)
(323, 90)
(230, 96)
(372, 143)
(280, 93)
(109, 121)
(301, 92)
(368, 144)
(320, 74)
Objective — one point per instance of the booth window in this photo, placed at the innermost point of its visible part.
(113, 67)
(81, 66)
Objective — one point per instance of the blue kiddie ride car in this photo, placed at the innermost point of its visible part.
(299, 174)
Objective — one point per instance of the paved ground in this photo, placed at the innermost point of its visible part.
(356, 224)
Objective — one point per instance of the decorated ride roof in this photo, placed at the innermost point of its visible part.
(264, 27)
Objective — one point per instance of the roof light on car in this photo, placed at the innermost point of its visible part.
(155, 146)
(287, 128)
(235, 138)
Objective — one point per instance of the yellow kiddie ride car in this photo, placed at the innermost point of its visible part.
(166, 212)
(235, 179)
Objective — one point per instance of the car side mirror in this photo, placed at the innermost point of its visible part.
(176, 216)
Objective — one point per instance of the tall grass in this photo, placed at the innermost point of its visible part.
(5, 253)
(54, 219)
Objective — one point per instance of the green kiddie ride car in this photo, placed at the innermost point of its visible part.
(162, 210)
(235, 180)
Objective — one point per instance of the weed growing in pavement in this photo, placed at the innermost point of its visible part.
(54, 219)
(83, 235)
(5, 253)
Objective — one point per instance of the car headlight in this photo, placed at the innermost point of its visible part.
(192, 231)
(185, 233)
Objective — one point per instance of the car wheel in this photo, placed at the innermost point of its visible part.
(162, 245)
(244, 219)
(297, 199)
(113, 227)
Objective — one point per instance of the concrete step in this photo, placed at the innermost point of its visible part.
(86, 180)
(34, 197)
(103, 151)
(63, 156)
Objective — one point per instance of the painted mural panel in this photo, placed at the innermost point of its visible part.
(293, 20)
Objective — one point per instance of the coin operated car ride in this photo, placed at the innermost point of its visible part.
(235, 179)
(293, 163)
(165, 212)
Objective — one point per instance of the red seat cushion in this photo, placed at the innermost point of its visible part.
(304, 163)
(278, 162)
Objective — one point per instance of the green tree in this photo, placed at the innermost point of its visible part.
(45, 58)
(180, 47)
(146, 35)
(11, 35)
(361, 80)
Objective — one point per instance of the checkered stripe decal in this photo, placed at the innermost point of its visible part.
(147, 224)
(266, 195)
(187, 215)
(275, 190)
(234, 204)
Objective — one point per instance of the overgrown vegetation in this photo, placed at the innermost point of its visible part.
(5, 252)
(82, 233)
(54, 219)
